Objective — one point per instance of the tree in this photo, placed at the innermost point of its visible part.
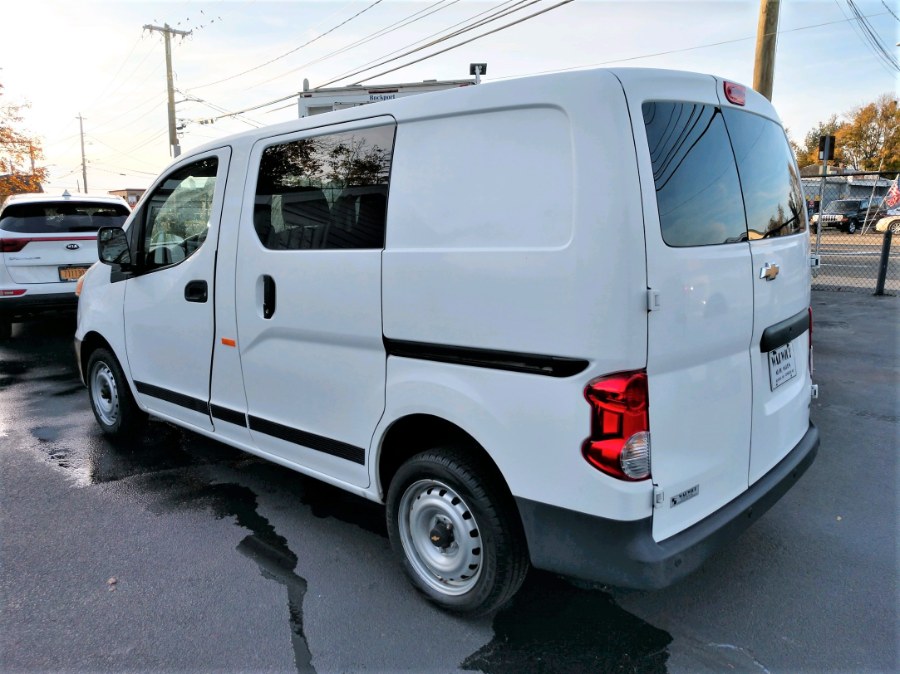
(867, 138)
(809, 152)
(18, 153)
(870, 140)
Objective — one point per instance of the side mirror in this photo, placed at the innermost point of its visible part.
(112, 247)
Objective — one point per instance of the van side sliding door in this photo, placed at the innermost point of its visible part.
(308, 295)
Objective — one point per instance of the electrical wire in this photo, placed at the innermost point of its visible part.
(384, 60)
(465, 42)
(679, 51)
(397, 25)
(292, 51)
(889, 10)
(865, 32)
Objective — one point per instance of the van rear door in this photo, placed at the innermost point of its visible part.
(779, 246)
(699, 266)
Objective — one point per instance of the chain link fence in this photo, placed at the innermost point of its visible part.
(852, 253)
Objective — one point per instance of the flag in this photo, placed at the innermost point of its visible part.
(893, 195)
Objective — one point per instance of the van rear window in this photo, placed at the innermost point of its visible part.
(721, 176)
(770, 180)
(697, 188)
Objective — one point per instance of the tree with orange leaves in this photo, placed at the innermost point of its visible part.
(19, 153)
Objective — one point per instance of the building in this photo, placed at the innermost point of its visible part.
(132, 196)
(318, 101)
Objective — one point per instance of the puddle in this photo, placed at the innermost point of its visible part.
(551, 626)
(270, 551)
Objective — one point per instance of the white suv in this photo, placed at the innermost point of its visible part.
(46, 244)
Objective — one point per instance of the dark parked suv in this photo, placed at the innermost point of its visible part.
(850, 214)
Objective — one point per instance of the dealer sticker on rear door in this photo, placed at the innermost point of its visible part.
(782, 367)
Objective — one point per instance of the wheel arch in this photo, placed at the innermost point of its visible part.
(91, 342)
(403, 439)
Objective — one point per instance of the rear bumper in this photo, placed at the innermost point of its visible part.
(27, 304)
(624, 553)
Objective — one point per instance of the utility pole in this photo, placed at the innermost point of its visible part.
(83, 162)
(766, 39)
(167, 37)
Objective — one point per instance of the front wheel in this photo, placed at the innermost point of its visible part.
(454, 526)
(851, 228)
(895, 227)
(114, 407)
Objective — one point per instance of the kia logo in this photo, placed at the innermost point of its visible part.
(73, 246)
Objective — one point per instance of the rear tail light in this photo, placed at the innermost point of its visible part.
(13, 293)
(736, 93)
(620, 435)
(13, 245)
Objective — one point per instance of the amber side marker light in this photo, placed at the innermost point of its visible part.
(735, 93)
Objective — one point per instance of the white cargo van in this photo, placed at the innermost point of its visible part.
(561, 320)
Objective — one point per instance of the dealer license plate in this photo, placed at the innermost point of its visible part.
(71, 273)
(782, 366)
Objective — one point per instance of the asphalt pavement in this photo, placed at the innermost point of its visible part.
(176, 553)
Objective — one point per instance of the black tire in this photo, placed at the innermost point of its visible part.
(851, 227)
(447, 509)
(114, 407)
(5, 328)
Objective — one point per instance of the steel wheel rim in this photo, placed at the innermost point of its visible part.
(452, 570)
(105, 394)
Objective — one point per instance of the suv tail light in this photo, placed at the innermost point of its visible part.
(13, 245)
(620, 435)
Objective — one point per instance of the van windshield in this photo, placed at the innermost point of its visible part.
(62, 217)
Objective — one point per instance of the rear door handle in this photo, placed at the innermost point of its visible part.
(268, 297)
(196, 291)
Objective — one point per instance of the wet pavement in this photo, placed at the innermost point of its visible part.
(175, 552)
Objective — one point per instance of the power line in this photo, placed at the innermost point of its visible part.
(683, 49)
(870, 36)
(464, 42)
(397, 25)
(592, 65)
(292, 51)
(384, 60)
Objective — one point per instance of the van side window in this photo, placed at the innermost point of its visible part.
(327, 192)
(769, 177)
(697, 187)
(177, 214)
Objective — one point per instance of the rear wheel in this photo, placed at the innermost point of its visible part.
(454, 526)
(895, 227)
(111, 400)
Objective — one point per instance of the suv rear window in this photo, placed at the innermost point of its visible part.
(721, 176)
(847, 206)
(62, 217)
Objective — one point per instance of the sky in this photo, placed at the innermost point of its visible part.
(95, 59)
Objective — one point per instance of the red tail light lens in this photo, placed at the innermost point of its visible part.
(620, 440)
(736, 93)
(13, 245)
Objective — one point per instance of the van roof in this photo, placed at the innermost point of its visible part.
(484, 96)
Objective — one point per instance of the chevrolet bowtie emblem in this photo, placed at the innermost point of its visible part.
(769, 272)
